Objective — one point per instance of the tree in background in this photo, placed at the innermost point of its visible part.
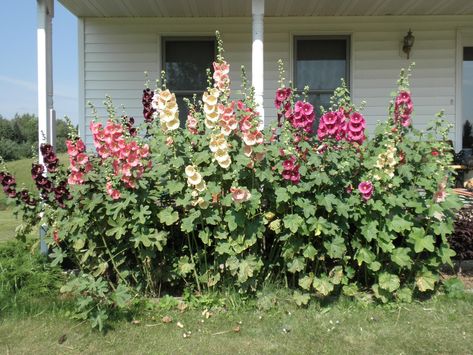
(19, 136)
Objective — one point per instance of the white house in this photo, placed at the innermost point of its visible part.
(319, 41)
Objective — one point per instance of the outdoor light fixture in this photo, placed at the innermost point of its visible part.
(408, 42)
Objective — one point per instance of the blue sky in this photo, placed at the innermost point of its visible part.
(18, 72)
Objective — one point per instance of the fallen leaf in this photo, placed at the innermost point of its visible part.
(62, 339)
(237, 329)
(166, 319)
(180, 325)
(135, 322)
(182, 306)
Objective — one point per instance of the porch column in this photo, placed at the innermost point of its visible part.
(46, 113)
(257, 56)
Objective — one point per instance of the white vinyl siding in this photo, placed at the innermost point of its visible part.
(117, 51)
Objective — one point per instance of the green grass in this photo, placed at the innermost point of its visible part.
(440, 325)
(8, 223)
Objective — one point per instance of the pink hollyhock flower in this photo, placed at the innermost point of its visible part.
(366, 189)
(114, 193)
(240, 195)
(126, 169)
(82, 158)
(71, 148)
(95, 127)
(144, 151)
(223, 67)
(80, 145)
(103, 152)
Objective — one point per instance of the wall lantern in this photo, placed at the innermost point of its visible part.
(408, 42)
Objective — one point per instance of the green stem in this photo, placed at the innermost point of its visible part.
(193, 262)
(113, 261)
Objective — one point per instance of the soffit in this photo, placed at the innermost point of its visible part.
(273, 8)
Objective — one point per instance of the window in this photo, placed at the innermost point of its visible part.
(185, 60)
(320, 62)
(467, 93)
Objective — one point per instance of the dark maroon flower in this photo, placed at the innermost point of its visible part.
(148, 109)
(8, 180)
(37, 170)
(45, 149)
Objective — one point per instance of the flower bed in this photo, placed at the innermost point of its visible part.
(222, 203)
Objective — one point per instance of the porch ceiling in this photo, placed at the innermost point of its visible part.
(242, 8)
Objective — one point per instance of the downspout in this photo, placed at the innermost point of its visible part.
(257, 55)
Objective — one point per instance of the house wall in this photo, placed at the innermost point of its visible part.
(117, 51)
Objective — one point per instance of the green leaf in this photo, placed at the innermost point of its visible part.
(175, 186)
(365, 255)
(306, 281)
(401, 257)
(247, 268)
(323, 285)
(120, 296)
(185, 266)
(425, 280)
(399, 224)
(301, 298)
(204, 236)
(293, 222)
(404, 295)
(282, 195)
(380, 293)
(370, 231)
(168, 216)
(296, 265)
(389, 282)
(310, 252)
(336, 275)
(446, 254)
(336, 248)
(422, 241)
(350, 290)
(187, 223)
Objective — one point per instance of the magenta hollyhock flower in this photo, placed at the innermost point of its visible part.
(366, 189)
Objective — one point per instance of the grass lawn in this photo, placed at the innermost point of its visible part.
(8, 223)
(440, 325)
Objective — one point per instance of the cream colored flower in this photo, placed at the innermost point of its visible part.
(195, 179)
(200, 186)
(225, 163)
(172, 125)
(190, 170)
(221, 155)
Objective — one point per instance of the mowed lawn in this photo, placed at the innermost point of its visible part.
(438, 326)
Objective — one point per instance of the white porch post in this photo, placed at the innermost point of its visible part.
(46, 113)
(257, 56)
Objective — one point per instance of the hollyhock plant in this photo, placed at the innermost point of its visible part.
(403, 108)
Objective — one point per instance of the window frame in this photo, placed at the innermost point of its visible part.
(182, 39)
(347, 78)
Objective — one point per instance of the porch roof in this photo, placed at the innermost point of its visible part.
(273, 8)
